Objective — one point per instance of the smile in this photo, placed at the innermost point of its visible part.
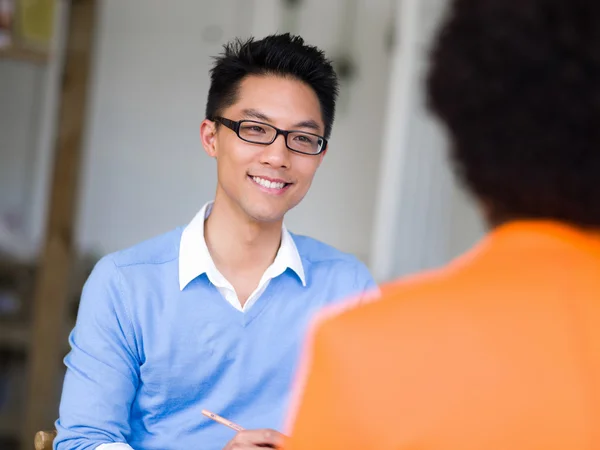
(274, 186)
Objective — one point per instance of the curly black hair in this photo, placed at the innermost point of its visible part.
(284, 55)
(517, 84)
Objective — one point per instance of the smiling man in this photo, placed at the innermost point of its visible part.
(211, 316)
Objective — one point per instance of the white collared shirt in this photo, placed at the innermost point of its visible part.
(195, 260)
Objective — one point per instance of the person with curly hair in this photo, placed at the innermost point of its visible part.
(501, 348)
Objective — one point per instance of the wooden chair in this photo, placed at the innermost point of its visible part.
(44, 439)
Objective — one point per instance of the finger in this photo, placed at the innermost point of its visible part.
(258, 438)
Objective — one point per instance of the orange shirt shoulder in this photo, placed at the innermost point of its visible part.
(501, 349)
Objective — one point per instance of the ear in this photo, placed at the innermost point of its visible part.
(322, 154)
(208, 136)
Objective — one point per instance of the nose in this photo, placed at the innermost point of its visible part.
(276, 154)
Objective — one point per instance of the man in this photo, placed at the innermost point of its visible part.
(501, 349)
(212, 316)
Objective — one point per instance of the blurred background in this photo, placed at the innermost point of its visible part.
(100, 107)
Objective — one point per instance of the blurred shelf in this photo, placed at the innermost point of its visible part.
(24, 54)
(9, 442)
(10, 431)
(14, 335)
(9, 428)
(9, 437)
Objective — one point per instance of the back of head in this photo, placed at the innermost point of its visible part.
(517, 84)
(281, 55)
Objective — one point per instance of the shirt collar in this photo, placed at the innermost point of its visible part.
(195, 259)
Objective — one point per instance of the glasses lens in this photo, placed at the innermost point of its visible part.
(305, 143)
(257, 132)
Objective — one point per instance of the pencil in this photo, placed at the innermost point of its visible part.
(222, 421)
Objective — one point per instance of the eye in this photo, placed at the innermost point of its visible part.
(254, 129)
(304, 139)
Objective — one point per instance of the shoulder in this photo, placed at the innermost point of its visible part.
(399, 304)
(119, 277)
(317, 252)
(442, 294)
(157, 250)
(135, 261)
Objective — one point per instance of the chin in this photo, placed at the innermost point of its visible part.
(265, 216)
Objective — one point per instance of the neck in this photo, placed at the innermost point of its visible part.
(236, 242)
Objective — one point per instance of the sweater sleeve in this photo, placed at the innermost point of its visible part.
(102, 367)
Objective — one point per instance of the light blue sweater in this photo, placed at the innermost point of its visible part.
(146, 357)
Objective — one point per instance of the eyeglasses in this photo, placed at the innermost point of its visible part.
(265, 134)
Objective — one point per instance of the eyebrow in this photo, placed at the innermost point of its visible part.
(255, 114)
(308, 124)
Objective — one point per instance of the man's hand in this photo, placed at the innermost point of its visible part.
(253, 439)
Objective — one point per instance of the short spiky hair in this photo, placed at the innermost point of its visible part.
(282, 54)
(517, 83)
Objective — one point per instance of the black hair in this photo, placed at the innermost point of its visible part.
(281, 54)
(517, 84)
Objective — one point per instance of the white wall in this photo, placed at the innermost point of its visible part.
(145, 170)
(423, 219)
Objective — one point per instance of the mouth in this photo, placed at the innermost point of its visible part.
(270, 185)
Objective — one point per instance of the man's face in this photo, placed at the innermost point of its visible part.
(265, 181)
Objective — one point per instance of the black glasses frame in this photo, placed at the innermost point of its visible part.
(236, 125)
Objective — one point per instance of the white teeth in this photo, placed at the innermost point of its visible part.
(268, 184)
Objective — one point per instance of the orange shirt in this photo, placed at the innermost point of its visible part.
(498, 351)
